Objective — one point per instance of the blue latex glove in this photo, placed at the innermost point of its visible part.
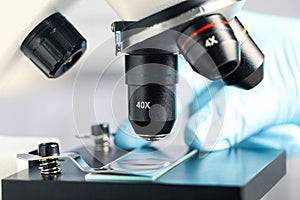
(268, 115)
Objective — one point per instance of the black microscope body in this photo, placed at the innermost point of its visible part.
(206, 33)
(215, 44)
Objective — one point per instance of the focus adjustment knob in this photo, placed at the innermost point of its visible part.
(54, 45)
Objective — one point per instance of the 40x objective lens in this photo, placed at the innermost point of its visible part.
(151, 83)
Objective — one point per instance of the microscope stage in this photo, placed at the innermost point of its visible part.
(235, 174)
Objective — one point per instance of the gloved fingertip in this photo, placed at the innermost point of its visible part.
(282, 136)
(191, 139)
(196, 144)
(125, 137)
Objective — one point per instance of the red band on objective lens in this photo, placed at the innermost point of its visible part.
(200, 30)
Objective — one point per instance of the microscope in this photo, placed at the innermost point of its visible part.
(206, 33)
(152, 35)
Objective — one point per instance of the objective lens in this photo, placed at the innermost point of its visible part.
(151, 83)
(250, 72)
(210, 46)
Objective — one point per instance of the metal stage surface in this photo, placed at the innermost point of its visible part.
(235, 174)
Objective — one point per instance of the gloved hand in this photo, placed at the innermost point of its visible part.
(268, 115)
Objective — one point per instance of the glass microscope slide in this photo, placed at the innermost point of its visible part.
(145, 164)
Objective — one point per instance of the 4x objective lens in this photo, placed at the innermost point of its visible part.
(210, 46)
(217, 48)
(250, 72)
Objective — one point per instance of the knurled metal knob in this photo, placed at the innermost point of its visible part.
(54, 45)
